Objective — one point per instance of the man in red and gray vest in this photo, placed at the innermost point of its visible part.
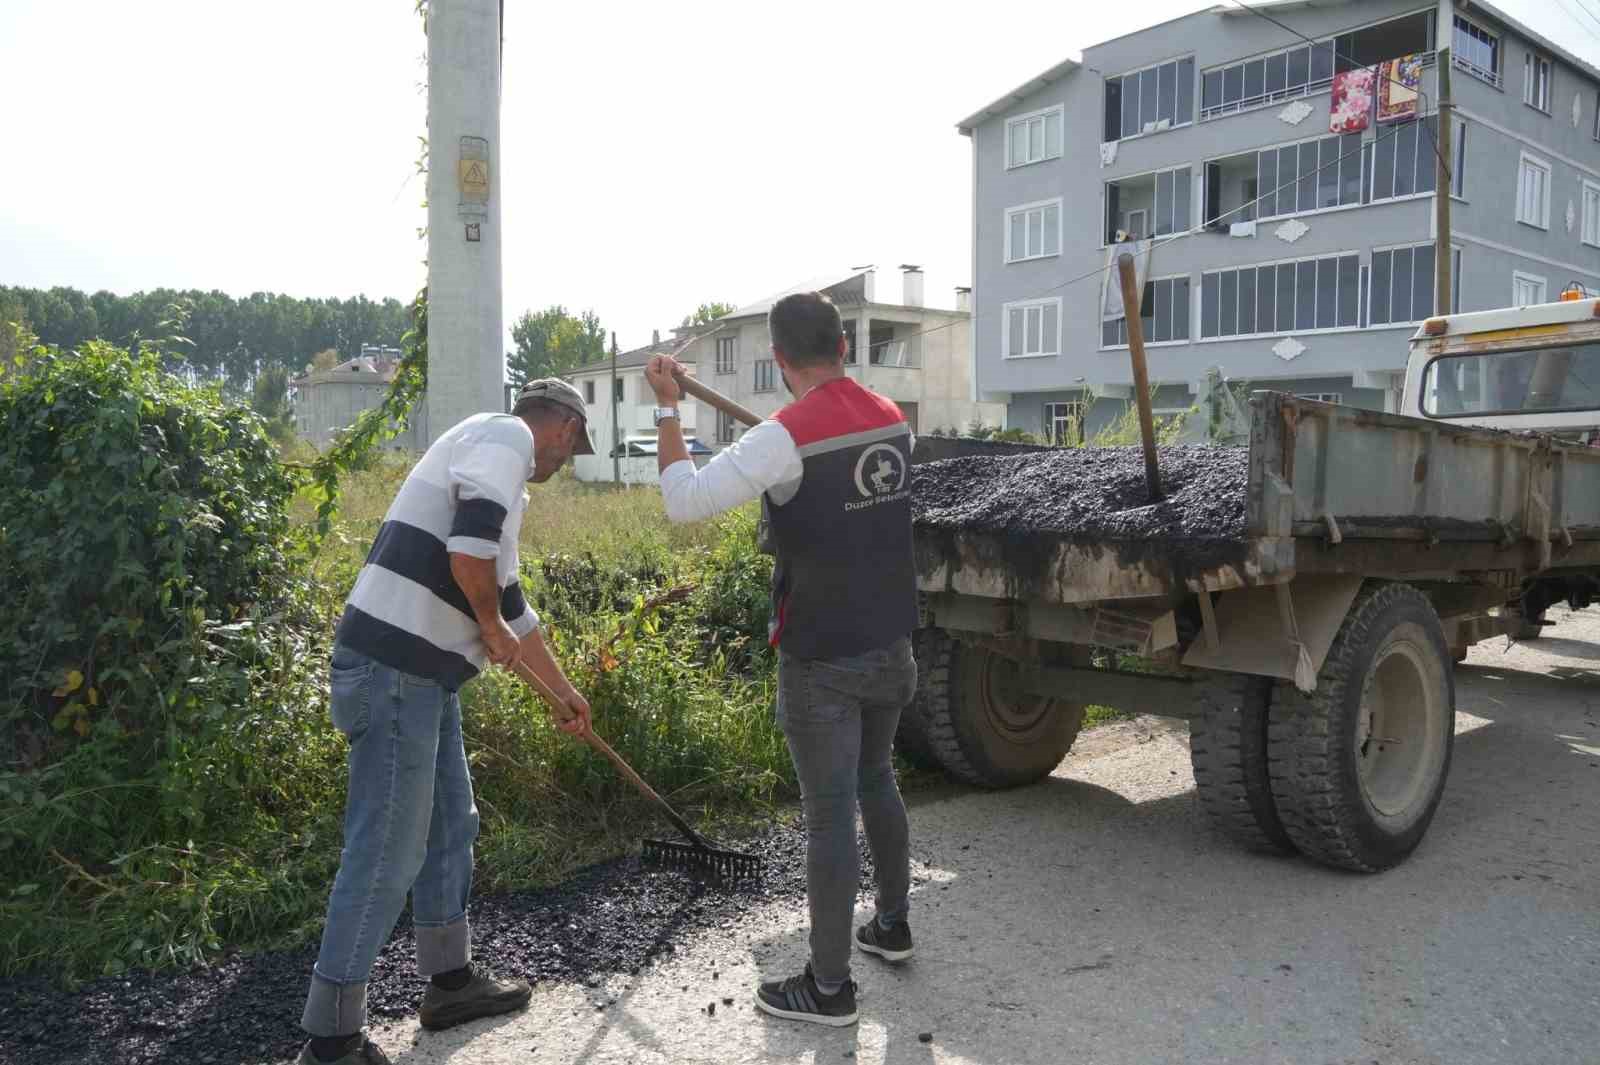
(833, 468)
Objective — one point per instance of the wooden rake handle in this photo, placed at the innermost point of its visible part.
(716, 399)
(590, 737)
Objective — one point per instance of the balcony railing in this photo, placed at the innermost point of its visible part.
(1311, 88)
(897, 353)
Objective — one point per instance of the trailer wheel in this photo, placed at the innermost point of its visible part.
(911, 738)
(1359, 765)
(978, 724)
(1228, 750)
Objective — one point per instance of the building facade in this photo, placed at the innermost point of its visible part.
(1274, 251)
(326, 402)
(634, 428)
(916, 355)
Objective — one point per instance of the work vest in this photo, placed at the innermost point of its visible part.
(843, 582)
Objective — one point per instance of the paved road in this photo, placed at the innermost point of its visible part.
(1093, 919)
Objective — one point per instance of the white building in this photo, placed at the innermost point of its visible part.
(634, 429)
(918, 356)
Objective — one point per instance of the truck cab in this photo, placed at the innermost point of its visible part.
(1534, 368)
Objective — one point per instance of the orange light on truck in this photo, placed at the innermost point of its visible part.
(1435, 327)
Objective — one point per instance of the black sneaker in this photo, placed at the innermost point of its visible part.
(893, 945)
(797, 999)
(484, 996)
(367, 1053)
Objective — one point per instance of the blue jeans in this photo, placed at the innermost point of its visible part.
(409, 825)
(839, 717)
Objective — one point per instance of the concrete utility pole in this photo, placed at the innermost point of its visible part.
(466, 347)
(1442, 187)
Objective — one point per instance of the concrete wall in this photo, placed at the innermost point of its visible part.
(1363, 361)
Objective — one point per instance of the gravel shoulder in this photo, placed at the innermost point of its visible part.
(1093, 918)
(1090, 918)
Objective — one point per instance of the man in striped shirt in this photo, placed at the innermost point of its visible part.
(438, 597)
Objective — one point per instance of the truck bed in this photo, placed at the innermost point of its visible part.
(1321, 489)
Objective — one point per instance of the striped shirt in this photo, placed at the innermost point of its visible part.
(465, 496)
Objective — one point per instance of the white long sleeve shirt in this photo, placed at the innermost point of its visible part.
(765, 459)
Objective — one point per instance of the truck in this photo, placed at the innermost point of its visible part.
(1315, 663)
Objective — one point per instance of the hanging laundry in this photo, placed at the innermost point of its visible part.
(1111, 294)
(1352, 101)
(1399, 86)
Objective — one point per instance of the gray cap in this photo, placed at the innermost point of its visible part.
(555, 390)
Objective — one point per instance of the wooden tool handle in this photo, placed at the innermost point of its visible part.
(710, 395)
(1141, 375)
(593, 740)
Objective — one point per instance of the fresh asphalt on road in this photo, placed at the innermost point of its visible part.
(1093, 919)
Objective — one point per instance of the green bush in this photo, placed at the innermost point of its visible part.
(164, 775)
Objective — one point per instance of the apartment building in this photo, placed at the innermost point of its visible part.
(914, 354)
(1286, 225)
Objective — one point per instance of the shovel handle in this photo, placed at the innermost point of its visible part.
(707, 394)
(590, 737)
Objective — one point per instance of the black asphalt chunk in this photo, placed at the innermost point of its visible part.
(610, 918)
(1096, 497)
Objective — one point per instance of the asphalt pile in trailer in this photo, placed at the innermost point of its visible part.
(1093, 496)
(610, 918)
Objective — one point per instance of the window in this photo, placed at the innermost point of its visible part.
(724, 427)
(1403, 160)
(1309, 68)
(1131, 203)
(1597, 116)
(1526, 289)
(1163, 315)
(1033, 327)
(1286, 297)
(1513, 382)
(1458, 169)
(766, 376)
(1476, 51)
(1591, 213)
(1148, 100)
(726, 346)
(1291, 179)
(588, 391)
(1034, 137)
(618, 388)
(1063, 423)
(1402, 284)
(1533, 192)
(1536, 82)
(1323, 397)
(1033, 231)
(850, 342)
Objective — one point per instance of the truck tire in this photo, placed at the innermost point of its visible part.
(1228, 750)
(1359, 765)
(978, 726)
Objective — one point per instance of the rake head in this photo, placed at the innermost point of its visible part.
(713, 863)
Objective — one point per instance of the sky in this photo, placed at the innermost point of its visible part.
(653, 156)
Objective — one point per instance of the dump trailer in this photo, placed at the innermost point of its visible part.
(1305, 623)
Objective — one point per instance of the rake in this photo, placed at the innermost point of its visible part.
(699, 856)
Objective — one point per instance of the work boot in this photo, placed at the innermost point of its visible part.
(891, 944)
(365, 1053)
(485, 995)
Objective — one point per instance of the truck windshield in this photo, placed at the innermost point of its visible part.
(1513, 382)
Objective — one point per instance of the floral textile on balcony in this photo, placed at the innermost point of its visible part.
(1399, 86)
(1351, 109)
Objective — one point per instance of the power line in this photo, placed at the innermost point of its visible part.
(1585, 9)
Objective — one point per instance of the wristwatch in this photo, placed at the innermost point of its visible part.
(661, 413)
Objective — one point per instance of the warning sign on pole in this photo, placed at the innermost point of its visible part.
(472, 171)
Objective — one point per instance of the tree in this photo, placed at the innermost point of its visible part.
(707, 313)
(269, 397)
(554, 342)
(326, 359)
